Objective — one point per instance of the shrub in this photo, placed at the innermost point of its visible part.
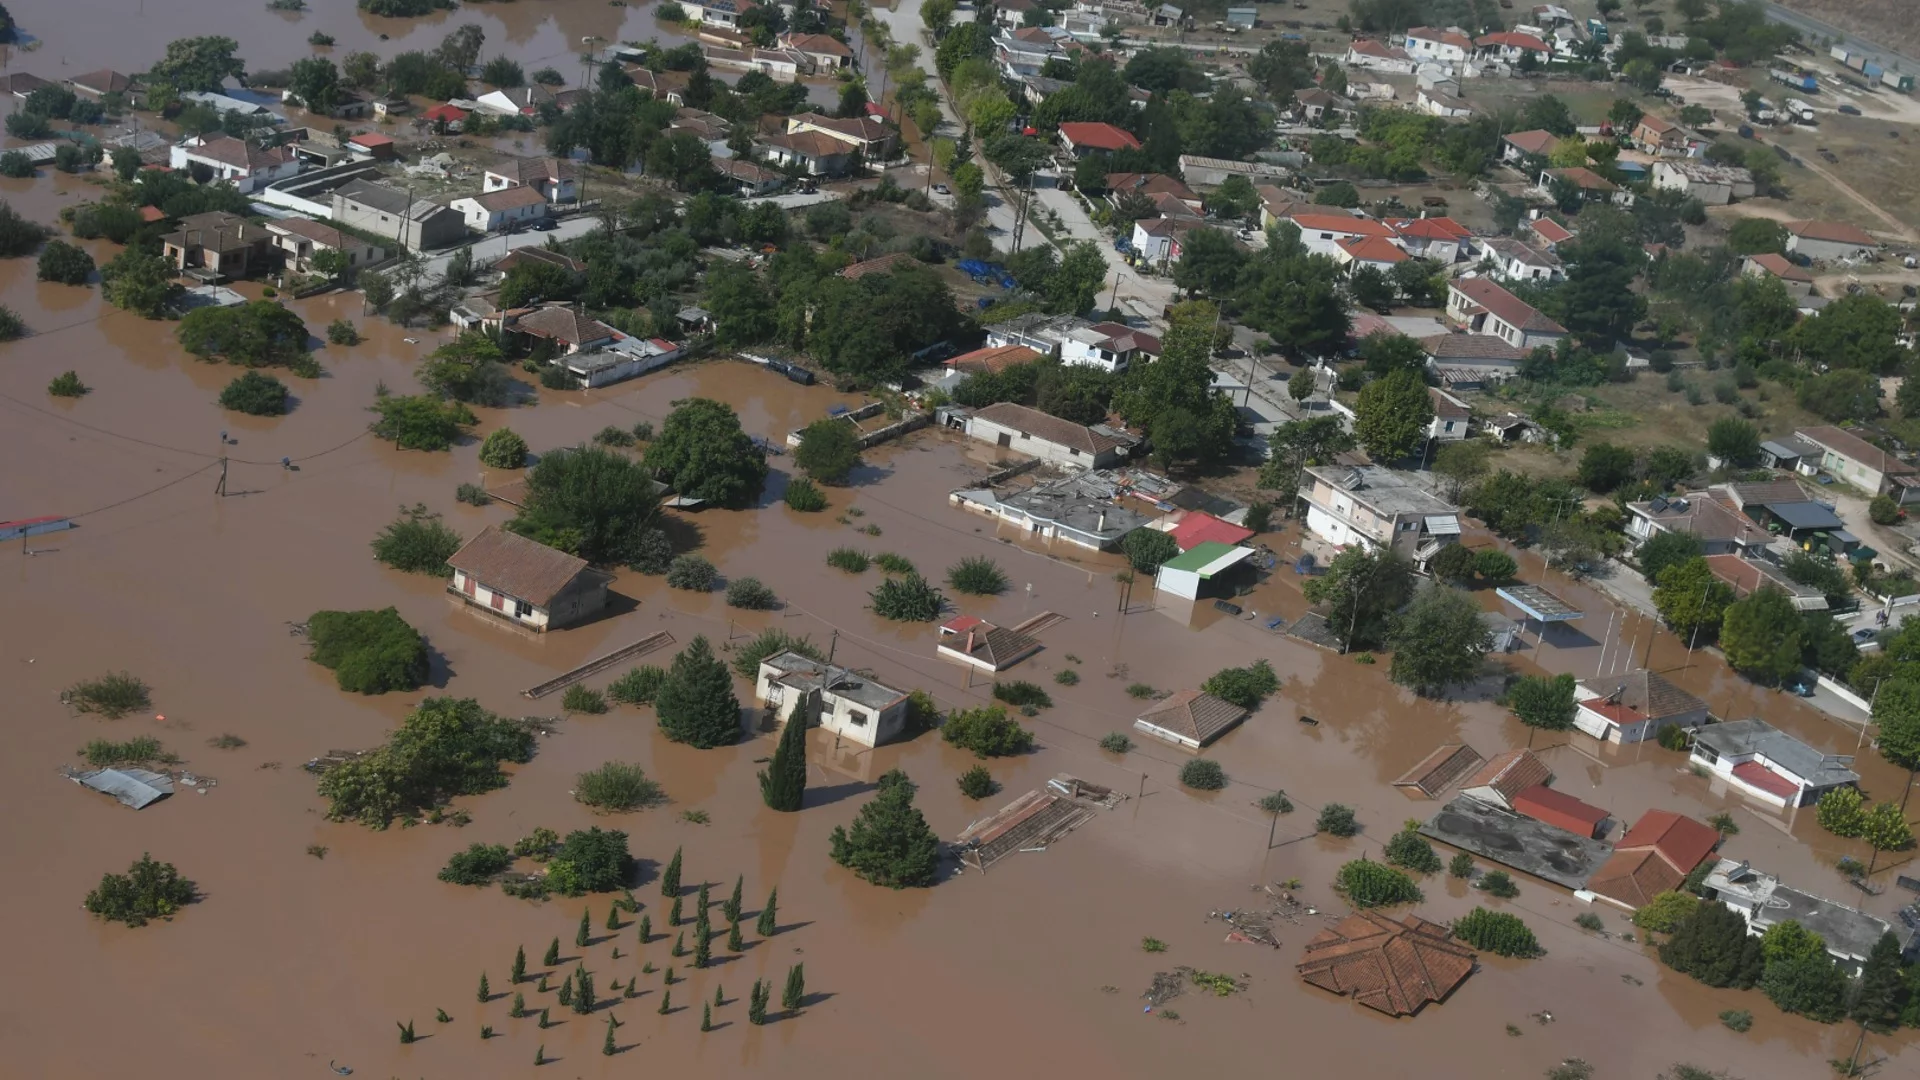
(1587, 920)
(1882, 510)
(852, 560)
(1140, 690)
(907, 599)
(1337, 820)
(557, 377)
(477, 865)
(15, 165)
(1147, 548)
(148, 890)
(643, 431)
(805, 496)
(65, 263)
(772, 642)
(503, 449)
(105, 754)
(12, 327)
(613, 436)
(1665, 912)
(987, 731)
(1370, 884)
(1460, 866)
(617, 786)
(255, 394)
(976, 575)
(472, 495)
(692, 573)
(1020, 692)
(1498, 883)
(889, 842)
(1067, 677)
(638, 686)
(342, 332)
(1673, 737)
(417, 543)
(370, 652)
(1243, 686)
(584, 699)
(751, 594)
(978, 783)
(1276, 803)
(1411, 850)
(890, 563)
(419, 421)
(1203, 774)
(1115, 742)
(1842, 812)
(1737, 1020)
(112, 695)
(68, 384)
(591, 860)
(1496, 932)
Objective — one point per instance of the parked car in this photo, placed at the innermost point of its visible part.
(545, 224)
(1850, 110)
(1865, 634)
(942, 189)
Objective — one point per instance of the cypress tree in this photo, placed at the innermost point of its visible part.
(486, 1032)
(768, 926)
(540, 1055)
(542, 988)
(670, 881)
(519, 1006)
(1881, 987)
(553, 953)
(696, 705)
(706, 1018)
(703, 902)
(796, 990)
(585, 933)
(890, 842)
(783, 784)
(627, 901)
(646, 929)
(702, 948)
(484, 994)
(441, 1016)
(668, 977)
(544, 1022)
(616, 952)
(666, 1002)
(519, 972)
(613, 917)
(583, 995)
(608, 1048)
(757, 1003)
(680, 944)
(734, 944)
(673, 918)
(731, 909)
(566, 992)
(719, 998)
(630, 992)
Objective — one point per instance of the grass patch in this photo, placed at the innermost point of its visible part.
(852, 560)
(584, 699)
(695, 817)
(617, 786)
(890, 563)
(805, 496)
(113, 695)
(105, 754)
(977, 575)
(1020, 692)
(1737, 1020)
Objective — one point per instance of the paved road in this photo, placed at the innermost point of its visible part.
(1812, 27)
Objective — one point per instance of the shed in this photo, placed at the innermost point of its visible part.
(1190, 718)
(1198, 527)
(136, 788)
(1187, 574)
(1559, 809)
(1243, 18)
(524, 581)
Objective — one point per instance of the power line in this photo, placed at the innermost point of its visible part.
(144, 494)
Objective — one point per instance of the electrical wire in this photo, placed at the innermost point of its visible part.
(150, 491)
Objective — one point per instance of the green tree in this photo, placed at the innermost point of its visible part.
(417, 542)
(1147, 548)
(148, 890)
(768, 923)
(1495, 566)
(257, 334)
(315, 83)
(1368, 884)
(370, 652)
(1605, 466)
(1596, 301)
(783, 784)
(1881, 992)
(1453, 564)
(65, 263)
(1690, 599)
(1360, 591)
(696, 704)
(1173, 398)
(1666, 549)
(1246, 686)
(1411, 850)
(1896, 710)
(1734, 441)
(503, 449)
(1210, 263)
(1666, 911)
(987, 731)
(829, 450)
(1761, 635)
(591, 502)
(418, 421)
(1497, 932)
(796, 988)
(1461, 464)
(1543, 702)
(1392, 415)
(1859, 331)
(256, 395)
(1439, 642)
(519, 972)
(1298, 444)
(1841, 395)
(1810, 985)
(198, 63)
(889, 842)
(702, 453)
(1757, 236)
(1712, 945)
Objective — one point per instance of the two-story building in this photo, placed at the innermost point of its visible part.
(556, 179)
(1482, 306)
(1376, 507)
(869, 135)
(1516, 148)
(1440, 239)
(1452, 419)
(502, 210)
(1443, 46)
(300, 239)
(1764, 763)
(417, 224)
(1322, 231)
(1081, 138)
(1367, 54)
(1717, 527)
(1044, 334)
(218, 244)
(1764, 901)
(836, 699)
(1109, 346)
(1512, 47)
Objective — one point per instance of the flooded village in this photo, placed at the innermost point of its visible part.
(1066, 540)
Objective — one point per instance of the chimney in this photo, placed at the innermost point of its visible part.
(969, 642)
(1102, 527)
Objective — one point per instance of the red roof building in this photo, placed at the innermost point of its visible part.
(1563, 811)
(993, 359)
(1654, 857)
(1371, 250)
(1199, 527)
(446, 114)
(1081, 136)
(1395, 966)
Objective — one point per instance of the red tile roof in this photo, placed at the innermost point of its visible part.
(521, 568)
(993, 359)
(1679, 840)
(1510, 773)
(1559, 809)
(1514, 39)
(1443, 347)
(371, 138)
(1395, 966)
(452, 114)
(1538, 141)
(1430, 228)
(1372, 249)
(565, 324)
(1370, 47)
(1098, 136)
(1438, 770)
(1838, 232)
(1196, 715)
(1449, 37)
(1150, 184)
(509, 198)
(1583, 178)
(1551, 231)
(1508, 307)
(1779, 266)
(1634, 877)
(1757, 775)
(1199, 527)
(1446, 406)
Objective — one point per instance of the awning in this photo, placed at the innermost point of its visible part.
(1537, 603)
(1443, 525)
(1805, 515)
(1207, 559)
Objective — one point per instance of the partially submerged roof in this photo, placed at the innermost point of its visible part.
(806, 673)
(1395, 966)
(1768, 902)
(1207, 558)
(1439, 770)
(1529, 846)
(512, 564)
(1194, 714)
(1535, 601)
(1755, 737)
(1647, 693)
(1199, 527)
(1510, 773)
(135, 787)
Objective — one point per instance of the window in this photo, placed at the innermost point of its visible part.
(858, 718)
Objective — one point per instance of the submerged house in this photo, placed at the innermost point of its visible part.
(1634, 707)
(1765, 763)
(1393, 965)
(973, 640)
(526, 582)
(844, 702)
(1764, 901)
(1655, 856)
(1190, 719)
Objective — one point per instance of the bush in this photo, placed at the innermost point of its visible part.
(1147, 548)
(907, 599)
(417, 543)
(1020, 692)
(805, 496)
(579, 698)
(1067, 677)
(105, 754)
(643, 431)
(1665, 912)
(1672, 737)
(419, 421)
(1496, 932)
(1460, 866)
(65, 263)
(1337, 820)
(477, 865)
(342, 332)
(15, 165)
(1410, 850)
(1498, 883)
(1244, 686)
(617, 786)
(11, 327)
(1370, 884)
(472, 495)
(692, 573)
(978, 783)
(751, 594)
(591, 860)
(772, 642)
(1140, 691)
(557, 377)
(68, 384)
(112, 695)
(1203, 774)
(1739, 1020)
(852, 560)
(987, 731)
(976, 575)
(503, 449)
(256, 395)
(613, 436)
(890, 563)
(638, 686)
(148, 890)
(18, 236)
(1115, 742)
(1276, 803)
(370, 652)
(1882, 510)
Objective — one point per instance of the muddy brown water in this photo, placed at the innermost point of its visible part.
(291, 961)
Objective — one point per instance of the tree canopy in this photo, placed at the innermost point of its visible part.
(702, 454)
(696, 704)
(1392, 415)
(591, 502)
(1438, 642)
(889, 842)
(1360, 591)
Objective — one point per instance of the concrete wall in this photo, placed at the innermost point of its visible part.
(989, 432)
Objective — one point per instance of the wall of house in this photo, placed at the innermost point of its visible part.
(479, 595)
(987, 431)
(1823, 249)
(847, 719)
(1168, 736)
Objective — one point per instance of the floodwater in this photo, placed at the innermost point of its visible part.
(291, 961)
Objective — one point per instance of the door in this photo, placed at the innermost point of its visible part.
(468, 588)
(1005, 439)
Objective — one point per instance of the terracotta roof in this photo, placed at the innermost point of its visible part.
(521, 568)
(1196, 715)
(530, 253)
(1838, 232)
(509, 198)
(1449, 37)
(1430, 228)
(1370, 47)
(1514, 249)
(1199, 527)
(1438, 770)
(1779, 266)
(885, 264)
(1446, 406)
(1854, 447)
(104, 81)
(864, 129)
(1634, 877)
(1583, 178)
(1704, 517)
(370, 139)
(1505, 305)
(1468, 347)
(1372, 249)
(998, 646)
(660, 83)
(1046, 428)
(1538, 141)
(1510, 773)
(1647, 693)
(1098, 136)
(1514, 39)
(1655, 124)
(1125, 338)
(817, 43)
(1550, 230)
(452, 114)
(1395, 966)
(1338, 223)
(1681, 841)
(1150, 184)
(808, 143)
(1758, 775)
(1558, 808)
(527, 170)
(307, 228)
(564, 323)
(992, 359)
(239, 153)
(152, 213)
(21, 83)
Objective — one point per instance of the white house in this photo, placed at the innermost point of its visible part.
(303, 238)
(1377, 507)
(555, 179)
(1375, 252)
(1509, 46)
(237, 161)
(526, 582)
(570, 329)
(1108, 346)
(502, 210)
(1828, 240)
(1767, 764)
(1030, 431)
(834, 698)
(1446, 46)
(1370, 55)
(1322, 232)
(1044, 334)
(1517, 147)
(1452, 419)
(1157, 240)
(1483, 307)
(1515, 261)
(1634, 707)
(1436, 102)
(824, 52)
(1440, 239)
(721, 13)
(623, 358)
(1592, 186)
(1714, 185)
(1764, 901)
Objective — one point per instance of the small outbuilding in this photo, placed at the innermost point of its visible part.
(526, 582)
(1188, 574)
(853, 707)
(1190, 718)
(973, 640)
(1561, 810)
(1439, 770)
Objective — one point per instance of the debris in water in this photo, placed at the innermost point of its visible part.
(341, 1069)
